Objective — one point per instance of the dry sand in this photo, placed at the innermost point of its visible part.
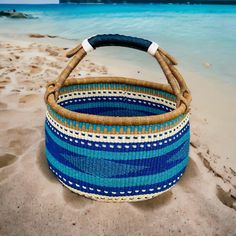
(33, 202)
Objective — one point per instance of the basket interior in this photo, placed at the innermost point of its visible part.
(115, 99)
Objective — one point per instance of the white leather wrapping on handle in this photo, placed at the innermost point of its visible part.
(87, 46)
(153, 48)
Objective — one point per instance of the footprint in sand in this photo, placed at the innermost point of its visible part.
(33, 69)
(8, 171)
(6, 166)
(25, 83)
(225, 197)
(2, 88)
(30, 100)
(4, 82)
(18, 140)
(38, 60)
(22, 140)
(52, 52)
(7, 159)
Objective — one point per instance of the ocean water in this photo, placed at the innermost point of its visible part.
(196, 34)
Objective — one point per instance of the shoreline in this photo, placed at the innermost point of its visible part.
(206, 194)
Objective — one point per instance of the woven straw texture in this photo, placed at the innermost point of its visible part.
(117, 139)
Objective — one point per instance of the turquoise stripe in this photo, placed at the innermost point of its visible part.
(117, 182)
(113, 104)
(118, 155)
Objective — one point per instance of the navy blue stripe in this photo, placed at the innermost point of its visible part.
(149, 166)
(112, 98)
(112, 111)
(123, 112)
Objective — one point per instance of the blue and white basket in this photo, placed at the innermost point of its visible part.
(118, 139)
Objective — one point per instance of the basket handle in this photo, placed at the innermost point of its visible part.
(166, 61)
(97, 41)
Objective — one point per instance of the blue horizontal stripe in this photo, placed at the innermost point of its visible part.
(121, 182)
(111, 111)
(111, 99)
(117, 168)
(109, 191)
(120, 112)
(115, 155)
(113, 105)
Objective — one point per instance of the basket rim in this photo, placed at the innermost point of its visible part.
(113, 120)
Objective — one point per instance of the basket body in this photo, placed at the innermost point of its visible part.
(116, 162)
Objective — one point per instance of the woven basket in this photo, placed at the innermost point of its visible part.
(114, 138)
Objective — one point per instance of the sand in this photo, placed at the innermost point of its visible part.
(33, 202)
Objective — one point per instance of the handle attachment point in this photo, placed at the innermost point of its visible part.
(87, 46)
(153, 48)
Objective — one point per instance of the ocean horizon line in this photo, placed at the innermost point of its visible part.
(124, 3)
(189, 2)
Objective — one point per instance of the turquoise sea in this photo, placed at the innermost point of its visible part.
(195, 34)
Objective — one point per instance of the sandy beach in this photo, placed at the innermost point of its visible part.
(33, 202)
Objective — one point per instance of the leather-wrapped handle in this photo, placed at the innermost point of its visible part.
(119, 40)
(103, 40)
